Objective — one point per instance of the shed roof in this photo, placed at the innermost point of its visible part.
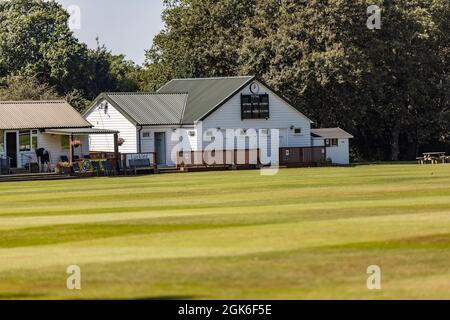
(147, 108)
(39, 115)
(205, 94)
(331, 133)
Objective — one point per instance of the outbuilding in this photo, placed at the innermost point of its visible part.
(336, 142)
(55, 126)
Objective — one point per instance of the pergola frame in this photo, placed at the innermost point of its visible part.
(72, 132)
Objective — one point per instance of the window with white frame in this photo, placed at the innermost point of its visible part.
(34, 140)
(24, 140)
(297, 131)
(65, 142)
(331, 143)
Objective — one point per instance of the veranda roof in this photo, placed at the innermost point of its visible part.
(39, 115)
(80, 131)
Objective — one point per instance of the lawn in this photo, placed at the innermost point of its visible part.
(301, 234)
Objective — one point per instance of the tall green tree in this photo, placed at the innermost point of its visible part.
(36, 43)
(20, 88)
(389, 86)
(380, 84)
(201, 38)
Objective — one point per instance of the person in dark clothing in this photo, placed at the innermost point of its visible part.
(39, 154)
(45, 160)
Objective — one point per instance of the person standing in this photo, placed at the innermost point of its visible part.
(45, 160)
(39, 155)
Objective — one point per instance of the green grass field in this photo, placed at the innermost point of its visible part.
(302, 234)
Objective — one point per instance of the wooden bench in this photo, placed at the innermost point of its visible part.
(420, 160)
(137, 165)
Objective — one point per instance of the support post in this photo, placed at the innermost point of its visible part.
(116, 151)
(71, 153)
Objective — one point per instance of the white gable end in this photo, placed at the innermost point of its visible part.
(112, 119)
(282, 116)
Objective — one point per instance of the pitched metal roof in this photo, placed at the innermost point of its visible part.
(39, 115)
(205, 94)
(180, 101)
(80, 131)
(145, 108)
(331, 133)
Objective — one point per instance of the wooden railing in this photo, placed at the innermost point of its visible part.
(302, 155)
(216, 158)
(287, 156)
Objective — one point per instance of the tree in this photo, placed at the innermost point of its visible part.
(379, 84)
(199, 39)
(18, 87)
(36, 42)
(389, 87)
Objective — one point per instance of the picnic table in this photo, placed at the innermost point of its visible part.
(433, 158)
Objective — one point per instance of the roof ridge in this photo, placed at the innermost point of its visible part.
(214, 78)
(32, 101)
(144, 93)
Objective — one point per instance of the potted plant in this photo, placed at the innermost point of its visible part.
(63, 168)
(76, 143)
(120, 141)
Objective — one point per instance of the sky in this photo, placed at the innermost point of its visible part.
(124, 26)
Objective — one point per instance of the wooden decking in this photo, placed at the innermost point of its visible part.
(34, 177)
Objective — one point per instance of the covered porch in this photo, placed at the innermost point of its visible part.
(87, 163)
(19, 149)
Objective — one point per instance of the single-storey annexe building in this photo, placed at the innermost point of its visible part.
(336, 141)
(200, 107)
(56, 126)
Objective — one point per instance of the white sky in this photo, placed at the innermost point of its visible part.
(124, 26)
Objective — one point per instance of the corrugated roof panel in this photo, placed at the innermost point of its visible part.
(81, 131)
(204, 93)
(151, 108)
(39, 115)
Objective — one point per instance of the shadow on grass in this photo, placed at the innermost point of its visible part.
(155, 298)
(168, 297)
(20, 295)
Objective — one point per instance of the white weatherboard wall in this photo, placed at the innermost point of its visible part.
(282, 116)
(52, 143)
(112, 120)
(339, 154)
(172, 145)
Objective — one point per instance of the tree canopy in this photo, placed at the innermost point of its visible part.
(37, 44)
(389, 87)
